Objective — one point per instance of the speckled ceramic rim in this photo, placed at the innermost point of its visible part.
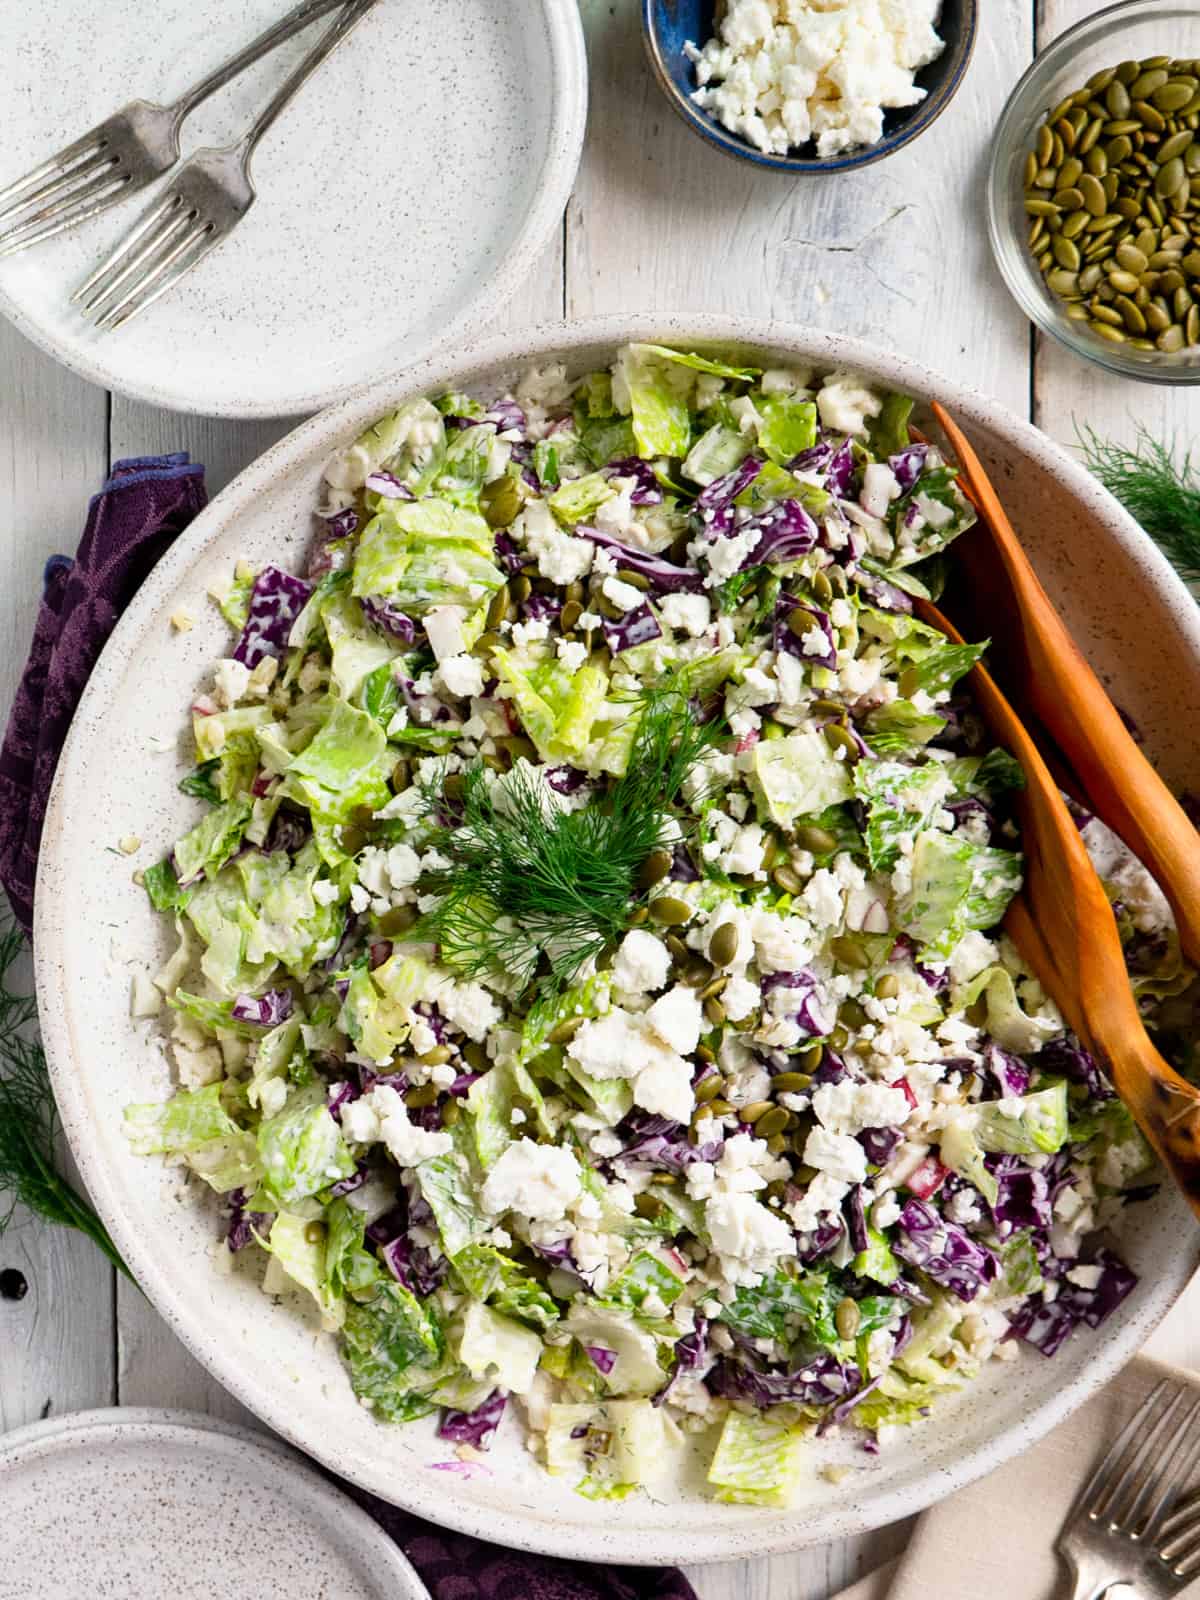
(564, 146)
(709, 129)
(93, 1430)
(134, 1233)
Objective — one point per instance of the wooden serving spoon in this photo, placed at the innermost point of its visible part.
(1049, 678)
(1063, 925)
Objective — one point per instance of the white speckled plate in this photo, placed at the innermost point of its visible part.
(1129, 613)
(137, 1505)
(402, 198)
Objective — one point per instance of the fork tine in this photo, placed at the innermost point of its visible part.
(162, 223)
(89, 202)
(1144, 1472)
(1187, 1513)
(1174, 1472)
(70, 179)
(58, 163)
(120, 255)
(1116, 1463)
(182, 258)
(1184, 1542)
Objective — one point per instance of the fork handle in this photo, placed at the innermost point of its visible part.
(295, 21)
(326, 45)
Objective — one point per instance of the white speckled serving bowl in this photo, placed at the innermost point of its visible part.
(1129, 613)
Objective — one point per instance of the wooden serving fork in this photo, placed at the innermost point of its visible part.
(1048, 677)
(1062, 922)
(1063, 925)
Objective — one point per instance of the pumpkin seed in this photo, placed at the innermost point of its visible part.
(1107, 315)
(677, 947)
(636, 580)
(1133, 318)
(1171, 339)
(1149, 116)
(696, 973)
(501, 501)
(1131, 259)
(1090, 277)
(788, 879)
(1035, 208)
(753, 1112)
(810, 1059)
(1131, 210)
(1116, 98)
(1127, 71)
(1045, 145)
(669, 912)
(655, 868)
(819, 841)
(1191, 327)
(568, 617)
(1175, 94)
(1068, 199)
(1113, 335)
(1172, 175)
(847, 1318)
(1086, 141)
(415, 1099)
(1158, 318)
(849, 953)
(1070, 172)
(1072, 226)
(1181, 302)
(839, 738)
(719, 1107)
(1191, 263)
(771, 1122)
(1147, 82)
(791, 1082)
(1092, 191)
(1123, 282)
(708, 1087)
(314, 1232)
(1177, 144)
(1066, 253)
(1118, 149)
(723, 946)
(887, 987)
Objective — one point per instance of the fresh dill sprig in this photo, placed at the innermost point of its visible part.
(530, 886)
(1159, 490)
(29, 1174)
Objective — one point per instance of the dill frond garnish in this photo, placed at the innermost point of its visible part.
(533, 887)
(29, 1174)
(1157, 489)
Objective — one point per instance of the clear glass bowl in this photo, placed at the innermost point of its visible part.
(1132, 30)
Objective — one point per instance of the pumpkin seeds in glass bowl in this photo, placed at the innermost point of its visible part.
(1094, 190)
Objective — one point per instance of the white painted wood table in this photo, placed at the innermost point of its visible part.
(896, 254)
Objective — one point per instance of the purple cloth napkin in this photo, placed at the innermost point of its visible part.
(131, 523)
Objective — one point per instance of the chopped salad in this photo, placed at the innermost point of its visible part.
(589, 988)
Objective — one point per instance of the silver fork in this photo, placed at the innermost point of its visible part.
(1125, 1527)
(123, 154)
(206, 199)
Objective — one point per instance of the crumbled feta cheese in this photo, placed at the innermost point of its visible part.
(678, 1019)
(822, 899)
(623, 595)
(407, 1144)
(822, 1198)
(691, 613)
(749, 1239)
(443, 628)
(469, 1007)
(845, 403)
(849, 1107)
(540, 1181)
(560, 556)
(837, 1154)
(230, 680)
(460, 675)
(664, 1088)
(642, 962)
(572, 653)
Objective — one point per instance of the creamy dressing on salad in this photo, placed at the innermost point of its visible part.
(590, 988)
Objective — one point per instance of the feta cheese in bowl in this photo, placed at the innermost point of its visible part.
(809, 85)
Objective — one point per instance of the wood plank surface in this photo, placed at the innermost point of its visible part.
(896, 255)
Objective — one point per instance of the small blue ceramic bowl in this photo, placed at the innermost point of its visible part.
(667, 25)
